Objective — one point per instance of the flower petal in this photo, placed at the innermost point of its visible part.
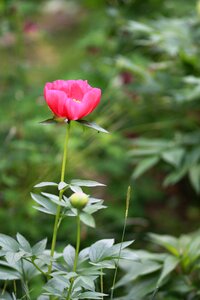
(84, 85)
(56, 101)
(74, 109)
(76, 92)
(91, 100)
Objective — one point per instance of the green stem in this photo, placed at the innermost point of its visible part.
(38, 268)
(57, 217)
(25, 283)
(78, 241)
(101, 282)
(15, 288)
(122, 239)
(4, 288)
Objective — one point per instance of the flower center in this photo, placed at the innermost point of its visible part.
(76, 100)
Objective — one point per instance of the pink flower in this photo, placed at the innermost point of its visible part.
(71, 99)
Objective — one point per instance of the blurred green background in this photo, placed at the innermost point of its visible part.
(144, 55)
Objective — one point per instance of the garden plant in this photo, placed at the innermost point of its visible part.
(170, 272)
(74, 273)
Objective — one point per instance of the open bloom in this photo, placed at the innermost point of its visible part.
(71, 99)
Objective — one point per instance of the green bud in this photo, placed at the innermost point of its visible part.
(79, 200)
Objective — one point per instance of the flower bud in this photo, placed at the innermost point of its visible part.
(79, 200)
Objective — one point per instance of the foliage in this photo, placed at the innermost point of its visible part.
(153, 76)
(172, 274)
(21, 262)
(72, 274)
(182, 154)
(178, 60)
(139, 61)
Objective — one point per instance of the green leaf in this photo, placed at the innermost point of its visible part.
(143, 152)
(138, 27)
(168, 242)
(62, 185)
(76, 189)
(98, 250)
(90, 209)
(180, 285)
(129, 255)
(87, 219)
(23, 243)
(55, 120)
(92, 125)
(91, 295)
(69, 256)
(29, 270)
(170, 264)
(192, 249)
(45, 183)
(175, 176)
(50, 196)
(88, 183)
(8, 243)
(83, 255)
(105, 264)
(115, 249)
(48, 121)
(140, 290)
(13, 257)
(2, 252)
(194, 175)
(55, 199)
(144, 165)
(145, 255)
(47, 205)
(44, 210)
(134, 270)
(39, 247)
(8, 274)
(173, 156)
(86, 282)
